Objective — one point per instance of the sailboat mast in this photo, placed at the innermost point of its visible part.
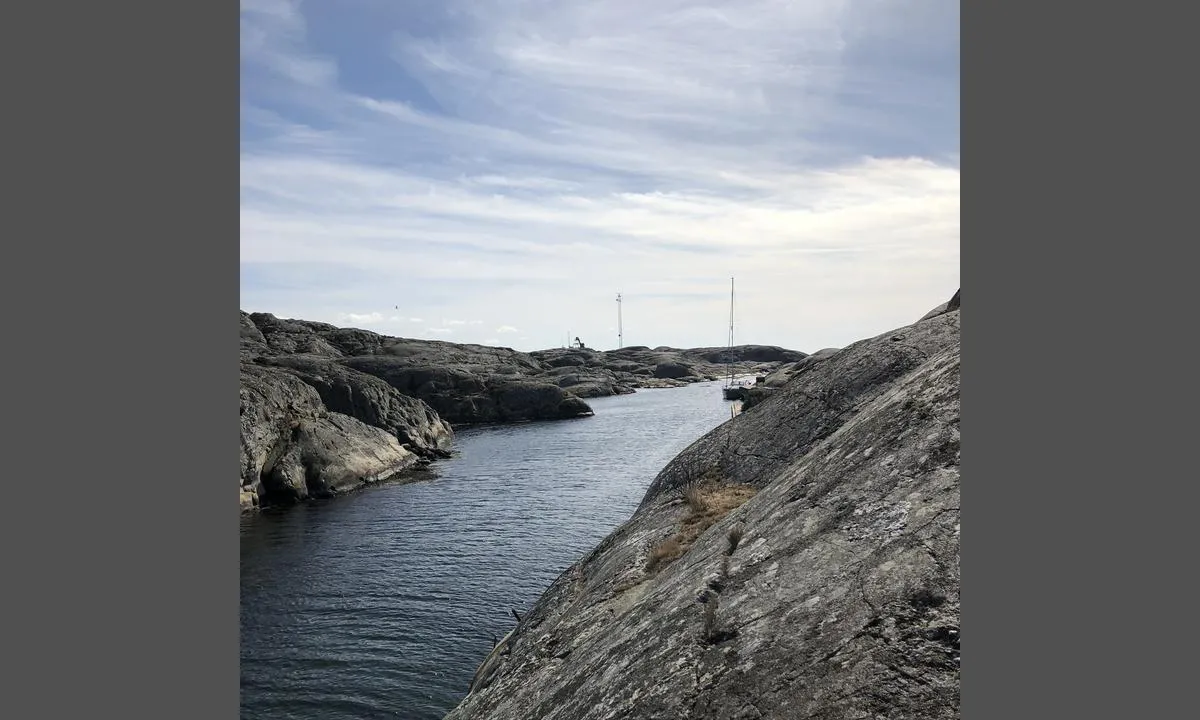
(730, 312)
(731, 330)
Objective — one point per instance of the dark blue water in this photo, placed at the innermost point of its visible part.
(383, 602)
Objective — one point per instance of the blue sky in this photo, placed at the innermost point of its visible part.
(497, 171)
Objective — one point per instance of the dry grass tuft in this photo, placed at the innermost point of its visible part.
(715, 502)
(708, 502)
(694, 498)
(664, 553)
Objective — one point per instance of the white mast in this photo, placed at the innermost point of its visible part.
(620, 336)
(730, 331)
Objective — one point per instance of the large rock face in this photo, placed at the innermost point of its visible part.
(294, 448)
(372, 400)
(464, 384)
(799, 561)
(467, 393)
(312, 427)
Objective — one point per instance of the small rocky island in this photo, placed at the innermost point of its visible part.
(327, 409)
(799, 561)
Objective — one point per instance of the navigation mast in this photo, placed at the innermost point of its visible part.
(620, 334)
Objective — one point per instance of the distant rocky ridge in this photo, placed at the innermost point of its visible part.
(801, 560)
(326, 409)
(594, 373)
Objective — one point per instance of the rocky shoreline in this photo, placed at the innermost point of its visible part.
(800, 560)
(327, 409)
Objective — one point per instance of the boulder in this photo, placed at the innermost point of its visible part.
(672, 370)
(370, 399)
(293, 448)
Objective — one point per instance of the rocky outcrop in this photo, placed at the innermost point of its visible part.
(293, 448)
(313, 427)
(673, 370)
(312, 379)
(474, 393)
(593, 373)
(469, 384)
(950, 305)
(345, 390)
(799, 561)
(784, 373)
(463, 384)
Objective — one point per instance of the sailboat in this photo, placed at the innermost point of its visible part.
(733, 390)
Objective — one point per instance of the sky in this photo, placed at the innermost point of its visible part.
(497, 171)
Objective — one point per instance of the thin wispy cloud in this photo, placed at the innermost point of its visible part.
(520, 163)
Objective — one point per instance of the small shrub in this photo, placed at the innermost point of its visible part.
(665, 552)
(735, 537)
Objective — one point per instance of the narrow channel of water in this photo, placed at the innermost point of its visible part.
(382, 603)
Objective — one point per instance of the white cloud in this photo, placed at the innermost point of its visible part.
(273, 34)
(550, 159)
(440, 331)
(360, 319)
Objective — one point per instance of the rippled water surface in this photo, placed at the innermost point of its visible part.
(382, 603)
